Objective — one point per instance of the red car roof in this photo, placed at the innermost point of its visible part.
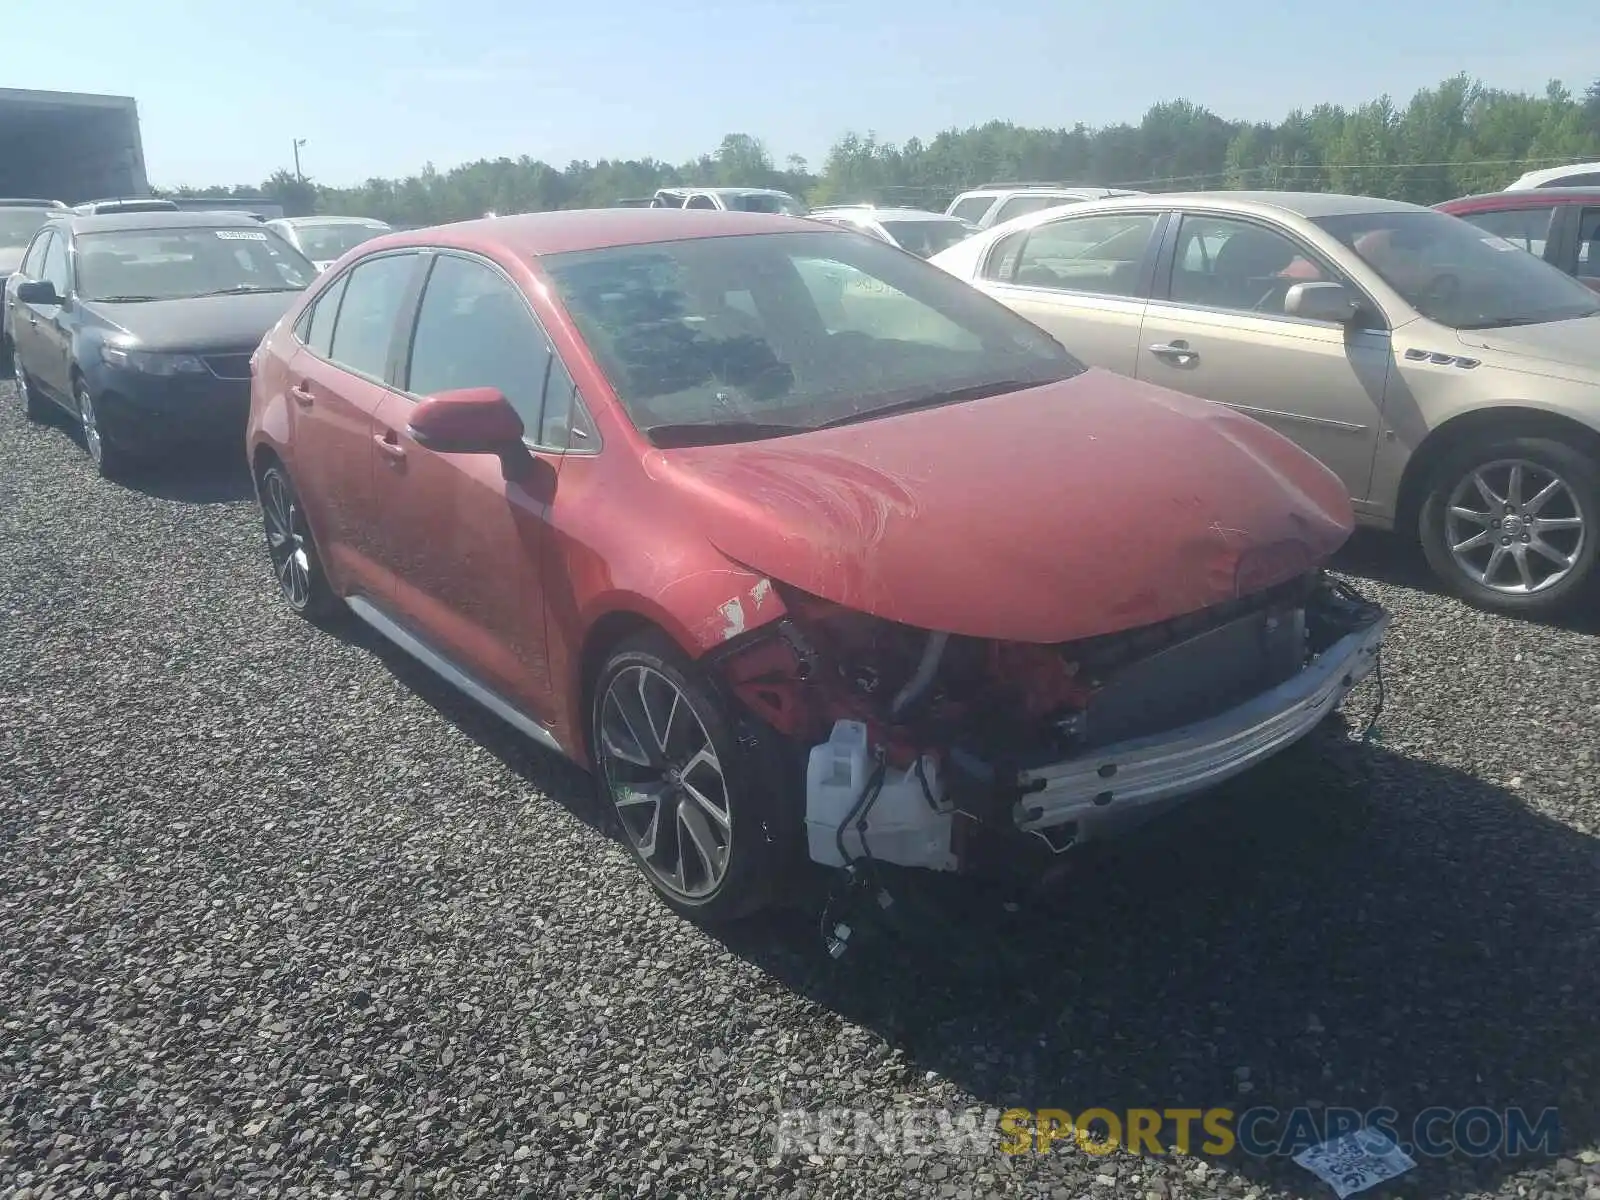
(596, 228)
(1536, 198)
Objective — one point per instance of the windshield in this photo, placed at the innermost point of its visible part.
(324, 243)
(759, 203)
(733, 338)
(927, 238)
(18, 225)
(176, 264)
(1454, 273)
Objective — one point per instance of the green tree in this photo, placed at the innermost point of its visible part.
(1456, 137)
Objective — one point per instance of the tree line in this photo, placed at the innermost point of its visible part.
(1459, 137)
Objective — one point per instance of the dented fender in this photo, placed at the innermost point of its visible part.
(702, 610)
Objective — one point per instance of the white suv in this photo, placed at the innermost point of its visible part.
(997, 202)
(762, 200)
(1571, 175)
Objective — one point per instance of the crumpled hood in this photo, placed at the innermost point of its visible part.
(1056, 513)
(1566, 343)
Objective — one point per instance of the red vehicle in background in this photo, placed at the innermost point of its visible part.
(1559, 225)
(804, 546)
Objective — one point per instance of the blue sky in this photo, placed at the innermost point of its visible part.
(379, 87)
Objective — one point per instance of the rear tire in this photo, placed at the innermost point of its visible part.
(292, 551)
(1512, 524)
(702, 802)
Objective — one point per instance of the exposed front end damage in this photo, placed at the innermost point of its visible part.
(933, 750)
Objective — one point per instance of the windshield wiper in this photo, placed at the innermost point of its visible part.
(242, 289)
(1503, 322)
(120, 299)
(673, 435)
(977, 391)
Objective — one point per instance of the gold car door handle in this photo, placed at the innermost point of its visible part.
(1178, 352)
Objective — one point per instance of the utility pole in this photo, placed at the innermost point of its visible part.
(298, 175)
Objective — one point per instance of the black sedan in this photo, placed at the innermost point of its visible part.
(142, 325)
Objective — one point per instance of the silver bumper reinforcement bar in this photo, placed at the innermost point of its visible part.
(1199, 756)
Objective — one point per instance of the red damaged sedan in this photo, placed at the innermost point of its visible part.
(808, 550)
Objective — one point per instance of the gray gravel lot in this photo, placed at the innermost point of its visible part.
(279, 914)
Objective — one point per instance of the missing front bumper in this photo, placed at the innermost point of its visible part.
(1145, 772)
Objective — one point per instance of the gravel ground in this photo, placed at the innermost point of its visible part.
(279, 914)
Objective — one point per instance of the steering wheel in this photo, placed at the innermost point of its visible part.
(1443, 288)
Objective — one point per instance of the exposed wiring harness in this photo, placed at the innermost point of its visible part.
(1370, 733)
(855, 873)
(1361, 612)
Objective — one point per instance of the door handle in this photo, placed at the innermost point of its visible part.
(301, 394)
(390, 446)
(1178, 352)
(33, 318)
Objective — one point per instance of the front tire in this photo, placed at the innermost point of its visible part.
(296, 564)
(106, 449)
(1511, 524)
(699, 803)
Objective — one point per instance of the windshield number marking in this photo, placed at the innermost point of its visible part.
(241, 235)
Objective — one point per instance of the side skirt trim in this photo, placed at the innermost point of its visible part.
(452, 674)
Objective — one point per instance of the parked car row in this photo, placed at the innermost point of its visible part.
(821, 554)
(139, 320)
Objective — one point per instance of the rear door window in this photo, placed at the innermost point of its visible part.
(1096, 254)
(363, 333)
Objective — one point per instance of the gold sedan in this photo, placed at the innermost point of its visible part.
(1451, 379)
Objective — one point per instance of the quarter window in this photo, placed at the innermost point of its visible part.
(1099, 254)
(1002, 263)
(1526, 228)
(700, 202)
(473, 330)
(364, 331)
(565, 423)
(33, 261)
(1239, 266)
(55, 265)
(318, 335)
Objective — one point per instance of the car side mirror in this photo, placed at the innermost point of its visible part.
(38, 291)
(1322, 302)
(467, 421)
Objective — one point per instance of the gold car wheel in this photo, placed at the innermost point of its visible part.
(1515, 526)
